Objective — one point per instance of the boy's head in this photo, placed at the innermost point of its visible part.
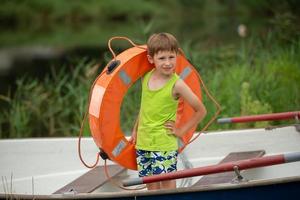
(162, 42)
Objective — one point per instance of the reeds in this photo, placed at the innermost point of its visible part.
(51, 107)
(252, 78)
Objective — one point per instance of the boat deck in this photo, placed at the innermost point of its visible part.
(44, 166)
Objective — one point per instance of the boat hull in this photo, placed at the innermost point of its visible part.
(259, 190)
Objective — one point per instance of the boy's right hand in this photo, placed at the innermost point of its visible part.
(132, 139)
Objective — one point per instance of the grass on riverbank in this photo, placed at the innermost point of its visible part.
(252, 78)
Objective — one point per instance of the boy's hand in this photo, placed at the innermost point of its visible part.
(132, 140)
(170, 125)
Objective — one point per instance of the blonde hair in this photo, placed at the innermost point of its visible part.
(162, 42)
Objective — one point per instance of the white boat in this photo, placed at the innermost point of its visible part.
(43, 168)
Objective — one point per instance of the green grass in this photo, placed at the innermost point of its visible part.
(251, 78)
(258, 80)
(50, 107)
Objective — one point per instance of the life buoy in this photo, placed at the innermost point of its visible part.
(107, 95)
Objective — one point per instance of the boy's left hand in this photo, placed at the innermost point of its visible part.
(170, 125)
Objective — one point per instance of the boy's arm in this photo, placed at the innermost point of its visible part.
(134, 131)
(181, 89)
(135, 127)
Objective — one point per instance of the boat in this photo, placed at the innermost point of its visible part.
(49, 168)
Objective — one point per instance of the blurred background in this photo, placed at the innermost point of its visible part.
(51, 51)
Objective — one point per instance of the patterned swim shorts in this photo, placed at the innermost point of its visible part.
(156, 162)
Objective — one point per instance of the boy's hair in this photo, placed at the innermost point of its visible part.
(162, 42)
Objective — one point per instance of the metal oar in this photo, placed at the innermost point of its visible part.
(263, 117)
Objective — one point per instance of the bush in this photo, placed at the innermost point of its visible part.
(250, 79)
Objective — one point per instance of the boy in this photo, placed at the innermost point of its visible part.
(154, 133)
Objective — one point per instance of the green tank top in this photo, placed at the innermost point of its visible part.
(157, 107)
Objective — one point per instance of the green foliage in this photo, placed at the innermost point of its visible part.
(257, 81)
(71, 23)
(251, 75)
(250, 106)
(130, 107)
(93, 22)
(272, 73)
(285, 26)
(51, 107)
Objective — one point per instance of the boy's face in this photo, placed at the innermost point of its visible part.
(164, 62)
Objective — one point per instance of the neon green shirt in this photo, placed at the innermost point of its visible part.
(157, 107)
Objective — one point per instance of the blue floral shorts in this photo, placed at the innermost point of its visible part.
(156, 162)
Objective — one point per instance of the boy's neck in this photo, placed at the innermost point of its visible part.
(158, 80)
(161, 76)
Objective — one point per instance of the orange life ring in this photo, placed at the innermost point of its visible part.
(108, 92)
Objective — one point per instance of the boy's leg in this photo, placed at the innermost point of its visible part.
(153, 186)
(165, 162)
(170, 184)
(151, 163)
(143, 160)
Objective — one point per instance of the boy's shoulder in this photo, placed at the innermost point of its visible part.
(180, 85)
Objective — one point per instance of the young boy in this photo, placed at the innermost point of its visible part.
(154, 133)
